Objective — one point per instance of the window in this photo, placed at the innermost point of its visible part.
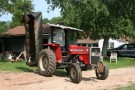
(110, 45)
(79, 44)
(130, 47)
(95, 45)
(83, 44)
(124, 47)
(89, 45)
(59, 37)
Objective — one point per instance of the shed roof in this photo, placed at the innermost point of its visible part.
(17, 31)
(20, 31)
(87, 40)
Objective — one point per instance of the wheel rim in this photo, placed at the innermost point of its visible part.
(99, 73)
(73, 73)
(43, 63)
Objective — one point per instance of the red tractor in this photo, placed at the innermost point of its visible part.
(59, 50)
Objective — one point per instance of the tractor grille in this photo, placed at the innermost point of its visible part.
(94, 55)
(95, 59)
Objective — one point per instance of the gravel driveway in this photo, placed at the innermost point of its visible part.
(33, 81)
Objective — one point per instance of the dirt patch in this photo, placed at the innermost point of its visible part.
(33, 81)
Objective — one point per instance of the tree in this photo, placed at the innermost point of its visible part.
(55, 20)
(45, 20)
(16, 8)
(99, 18)
(3, 5)
(4, 26)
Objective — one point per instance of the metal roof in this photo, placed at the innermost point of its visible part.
(63, 27)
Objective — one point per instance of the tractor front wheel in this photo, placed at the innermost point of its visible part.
(102, 71)
(75, 73)
(46, 62)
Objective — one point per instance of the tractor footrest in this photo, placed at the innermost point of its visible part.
(64, 58)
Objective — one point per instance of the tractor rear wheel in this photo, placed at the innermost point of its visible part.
(102, 71)
(75, 73)
(46, 62)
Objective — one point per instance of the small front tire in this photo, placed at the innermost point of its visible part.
(104, 74)
(75, 73)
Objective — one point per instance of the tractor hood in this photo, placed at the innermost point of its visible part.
(74, 49)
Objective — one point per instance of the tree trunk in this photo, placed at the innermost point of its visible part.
(104, 48)
(1, 45)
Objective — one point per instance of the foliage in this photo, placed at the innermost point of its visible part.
(55, 20)
(45, 20)
(4, 26)
(16, 8)
(19, 7)
(3, 5)
(99, 18)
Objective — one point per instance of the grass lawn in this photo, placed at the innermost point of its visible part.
(130, 87)
(122, 62)
(15, 66)
(22, 67)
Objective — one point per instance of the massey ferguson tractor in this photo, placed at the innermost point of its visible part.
(59, 51)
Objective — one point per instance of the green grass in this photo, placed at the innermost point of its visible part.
(122, 62)
(22, 67)
(15, 66)
(130, 87)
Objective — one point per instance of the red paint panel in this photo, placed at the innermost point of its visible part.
(57, 50)
(82, 51)
(84, 58)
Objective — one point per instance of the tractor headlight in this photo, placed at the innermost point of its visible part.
(95, 54)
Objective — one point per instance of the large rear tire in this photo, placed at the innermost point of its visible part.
(75, 73)
(102, 72)
(46, 62)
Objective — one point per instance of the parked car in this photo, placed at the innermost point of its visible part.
(125, 50)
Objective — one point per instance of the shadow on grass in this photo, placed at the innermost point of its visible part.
(24, 69)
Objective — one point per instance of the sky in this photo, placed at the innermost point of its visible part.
(40, 5)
